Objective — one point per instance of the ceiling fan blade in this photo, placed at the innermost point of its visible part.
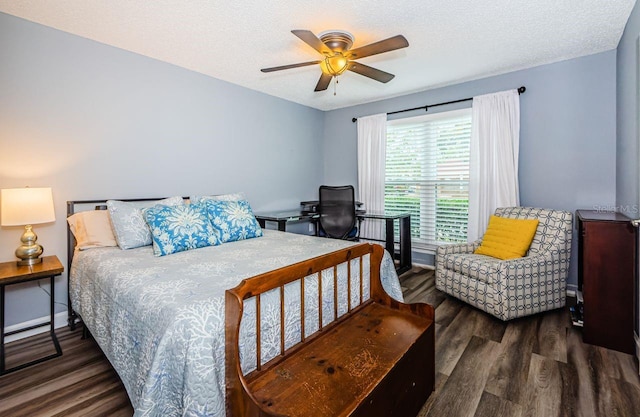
(284, 67)
(323, 82)
(391, 44)
(312, 40)
(367, 71)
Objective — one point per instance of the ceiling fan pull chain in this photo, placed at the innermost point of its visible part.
(335, 84)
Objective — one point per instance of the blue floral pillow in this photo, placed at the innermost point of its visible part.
(234, 220)
(180, 228)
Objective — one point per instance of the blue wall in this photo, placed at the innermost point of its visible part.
(93, 121)
(567, 134)
(627, 112)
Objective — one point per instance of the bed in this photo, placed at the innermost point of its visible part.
(160, 320)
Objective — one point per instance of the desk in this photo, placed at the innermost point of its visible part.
(282, 217)
(403, 255)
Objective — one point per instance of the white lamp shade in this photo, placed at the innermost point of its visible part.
(23, 206)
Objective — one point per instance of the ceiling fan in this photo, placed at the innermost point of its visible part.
(338, 58)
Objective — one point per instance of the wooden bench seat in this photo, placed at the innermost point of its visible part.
(376, 360)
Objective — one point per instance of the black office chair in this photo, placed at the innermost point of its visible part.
(337, 211)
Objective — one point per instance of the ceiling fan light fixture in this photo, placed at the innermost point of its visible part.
(334, 65)
(338, 57)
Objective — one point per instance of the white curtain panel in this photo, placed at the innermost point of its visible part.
(372, 153)
(493, 176)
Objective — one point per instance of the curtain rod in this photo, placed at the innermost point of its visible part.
(426, 108)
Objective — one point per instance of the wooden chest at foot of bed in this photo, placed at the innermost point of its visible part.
(375, 360)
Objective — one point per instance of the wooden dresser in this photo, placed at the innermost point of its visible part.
(606, 264)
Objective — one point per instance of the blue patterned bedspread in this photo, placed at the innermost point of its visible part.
(160, 320)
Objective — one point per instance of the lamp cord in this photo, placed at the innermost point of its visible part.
(49, 294)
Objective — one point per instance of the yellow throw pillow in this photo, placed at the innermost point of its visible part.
(507, 238)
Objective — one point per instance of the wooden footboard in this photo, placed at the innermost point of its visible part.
(375, 358)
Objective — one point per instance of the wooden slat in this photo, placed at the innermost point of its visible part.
(335, 293)
(349, 286)
(320, 300)
(258, 332)
(282, 319)
(361, 279)
(302, 309)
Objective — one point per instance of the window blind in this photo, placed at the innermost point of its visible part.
(427, 175)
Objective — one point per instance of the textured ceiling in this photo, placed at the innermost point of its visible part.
(449, 41)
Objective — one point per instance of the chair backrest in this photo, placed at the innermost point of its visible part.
(337, 210)
(554, 228)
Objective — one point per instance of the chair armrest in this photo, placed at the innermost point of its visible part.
(542, 266)
(458, 248)
(524, 262)
(533, 260)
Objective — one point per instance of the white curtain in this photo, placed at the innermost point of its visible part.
(493, 177)
(372, 153)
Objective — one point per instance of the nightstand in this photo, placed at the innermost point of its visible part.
(11, 273)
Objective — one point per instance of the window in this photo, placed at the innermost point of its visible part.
(427, 175)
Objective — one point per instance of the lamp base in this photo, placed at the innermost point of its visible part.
(29, 252)
(28, 262)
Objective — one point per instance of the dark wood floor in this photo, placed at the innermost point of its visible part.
(535, 366)
(532, 366)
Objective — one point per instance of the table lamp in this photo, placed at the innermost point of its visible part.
(25, 207)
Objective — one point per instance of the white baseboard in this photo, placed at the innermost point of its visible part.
(423, 266)
(59, 320)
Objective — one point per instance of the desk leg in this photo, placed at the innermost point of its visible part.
(282, 224)
(405, 244)
(390, 238)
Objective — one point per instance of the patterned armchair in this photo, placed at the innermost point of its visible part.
(516, 287)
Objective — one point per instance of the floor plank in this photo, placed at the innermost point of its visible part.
(509, 376)
(552, 335)
(466, 381)
(452, 342)
(551, 392)
(81, 382)
(493, 406)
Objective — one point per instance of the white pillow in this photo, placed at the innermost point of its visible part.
(92, 229)
(129, 226)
